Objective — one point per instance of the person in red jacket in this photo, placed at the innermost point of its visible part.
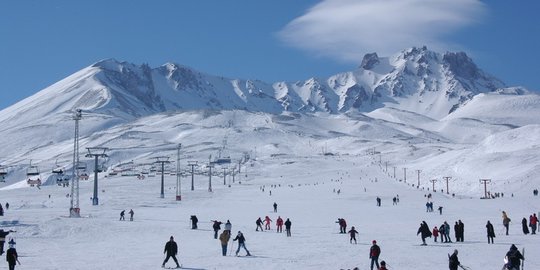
(279, 224)
(383, 266)
(267, 221)
(435, 233)
(533, 223)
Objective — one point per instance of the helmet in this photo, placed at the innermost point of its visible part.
(374, 242)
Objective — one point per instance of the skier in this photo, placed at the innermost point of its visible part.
(194, 221)
(374, 253)
(424, 231)
(275, 207)
(3, 235)
(279, 224)
(514, 258)
(435, 233)
(533, 222)
(11, 255)
(216, 226)
(122, 215)
(353, 234)
(506, 221)
(228, 226)
(490, 232)
(267, 221)
(453, 261)
(259, 224)
(288, 227)
(171, 249)
(241, 243)
(224, 238)
(131, 214)
(524, 226)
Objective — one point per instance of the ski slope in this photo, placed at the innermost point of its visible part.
(47, 239)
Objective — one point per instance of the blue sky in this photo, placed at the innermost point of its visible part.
(43, 42)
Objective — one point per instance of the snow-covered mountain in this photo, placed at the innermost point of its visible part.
(417, 108)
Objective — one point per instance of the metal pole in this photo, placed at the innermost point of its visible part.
(178, 182)
(447, 178)
(394, 172)
(95, 200)
(433, 182)
(485, 181)
(224, 175)
(192, 176)
(162, 195)
(210, 177)
(405, 175)
(418, 171)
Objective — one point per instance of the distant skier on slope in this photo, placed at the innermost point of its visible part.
(122, 215)
(353, 234)
(259, 223)
(267, 221)
(275, 207)
(131, 213)
(241, 243)
(288, 227)
(279, 224)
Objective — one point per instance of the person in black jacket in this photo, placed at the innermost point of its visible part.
(374, 253)
(194, 221)
(453, 261)
(171, 249)
(424, 231)
(288, 227)
(3, 235)
(11, 255)
(217, 227)
(490, 232)
(514, 258)
(241, 243)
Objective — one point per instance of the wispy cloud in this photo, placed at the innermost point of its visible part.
(347, 29)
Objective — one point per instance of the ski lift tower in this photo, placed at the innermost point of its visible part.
(178, 183)
(162, 160)
(74, 210)
(96, 152)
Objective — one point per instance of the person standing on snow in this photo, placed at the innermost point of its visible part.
(424, 232)
(279, 224)
(461, 230)
(524, 226)
(275, 207)
(11, 256)
(122, 215)
(374, 253)
(194, 221)
(224, 238)
(435, 233)
(241, 243)
(342, 225)
(447, 232)
(453, 261)
(533, 223)
(228, 226)
(490, 232)
(171, 249)
(259, 223)
(506, 221)
(267, 221)
(288, 227)
(131, 214)
(353, 234)
(216, 226)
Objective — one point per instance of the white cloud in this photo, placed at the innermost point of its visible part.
(347, 29)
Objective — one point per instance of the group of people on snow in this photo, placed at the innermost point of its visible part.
(123, 213)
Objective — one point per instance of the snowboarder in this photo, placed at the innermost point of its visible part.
(383, 266)
(435, 233)
(224, 238)
(3, 235)
(524, 226)
(288, 227)
(216, 226)
(453, 261)
(275, 207)
(122, 215)
(194, 221)
(353, 234)
(11, 255)
(171, 249)
(267, 221)
(490, 232)
(424, 232)
(533, 222)
(131, 214)
(279, 224)
(259, 224)
(514, 258)
(241, 243)
(506, 221)
(228, 226)
(374, 253)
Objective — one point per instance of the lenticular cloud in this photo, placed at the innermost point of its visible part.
(347, 29)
